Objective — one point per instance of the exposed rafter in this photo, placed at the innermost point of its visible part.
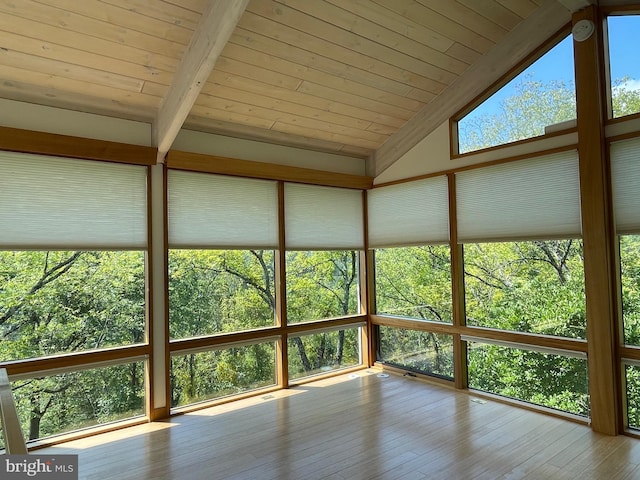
(216, 25)
(517, 44)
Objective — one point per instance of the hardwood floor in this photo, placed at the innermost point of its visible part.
(358, 426)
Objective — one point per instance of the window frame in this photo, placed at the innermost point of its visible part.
(618, 11)
(561, 129)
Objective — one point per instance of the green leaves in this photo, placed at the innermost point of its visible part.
(414, 282)
(535, 287)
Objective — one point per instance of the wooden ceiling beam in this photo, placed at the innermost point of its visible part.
(550, 17)
(575, 5)
(216, 25)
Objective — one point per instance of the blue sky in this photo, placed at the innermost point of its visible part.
(624, 41)
(557, 64)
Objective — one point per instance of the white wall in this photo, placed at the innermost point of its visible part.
(432, 155)
(29, 116)
(223, 146)
(40, 118)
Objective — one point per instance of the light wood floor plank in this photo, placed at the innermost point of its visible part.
(358, 427)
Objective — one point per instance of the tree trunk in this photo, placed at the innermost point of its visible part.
(192, 376)
(34, 421)
(340, 347)
(303, 354)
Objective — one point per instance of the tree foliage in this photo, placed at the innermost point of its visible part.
(525, 114)
(56, 302)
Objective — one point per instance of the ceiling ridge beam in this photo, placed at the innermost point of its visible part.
(529, 34)
(214, 29)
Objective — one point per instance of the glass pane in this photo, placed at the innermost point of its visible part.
(542, 95)
(322, 285)
(197, 377)
(425, 352)
(544, 379)
(624, 36)
(220, 291)
(535, 286)
(71, 401)
(632, 373)
(630, 280)
(323, 352)
(414, 282)
(59, 302)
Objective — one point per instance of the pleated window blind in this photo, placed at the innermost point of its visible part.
(625, 177)
(59, 203)
(323, 218)
(535, 198)
(216, 211)
(411, 213)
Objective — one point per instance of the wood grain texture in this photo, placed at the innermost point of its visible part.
(357, 426)
(74, 360)
(516, 45)
(520, 338)
(598, 234)
(457, 289)
(245, 168)
(325, 75)
(26, 141)
(212, 33)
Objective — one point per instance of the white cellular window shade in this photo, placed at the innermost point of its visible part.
(216, 211)
(323, 218)
(60, 203)
(411, 213)
(526, 199)
(625, 177)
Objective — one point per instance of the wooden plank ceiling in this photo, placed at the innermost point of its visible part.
(333, 75)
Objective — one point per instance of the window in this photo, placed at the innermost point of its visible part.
(222, 235)
(409, 229)
(625, 178)
(624, 34)
(423, 352)
(72, 279)
(57, 404)
(321, 352)
(55, 302)
(414, 282)
(548, 379)
(324, 232)
(220, 291)
(322, 285)
(625, 173)
(201, 376)
(540, 96)
(535, 286)
(632, 377)
(517, 275)
(630, 276)
(71, 255)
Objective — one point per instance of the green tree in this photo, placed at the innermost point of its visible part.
(624, 100)
(63, 302)
(525, 114)
(414, 282)
(537, 286)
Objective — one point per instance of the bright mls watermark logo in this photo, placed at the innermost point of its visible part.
(51, 467)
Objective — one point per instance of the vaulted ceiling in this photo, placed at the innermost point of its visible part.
(364, 78)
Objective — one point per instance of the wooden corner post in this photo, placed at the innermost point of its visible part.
(597, 228)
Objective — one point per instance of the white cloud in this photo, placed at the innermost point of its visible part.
(631, 84)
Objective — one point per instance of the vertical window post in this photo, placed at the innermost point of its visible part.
(158, 368)
(597, 229)
(457, 291)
